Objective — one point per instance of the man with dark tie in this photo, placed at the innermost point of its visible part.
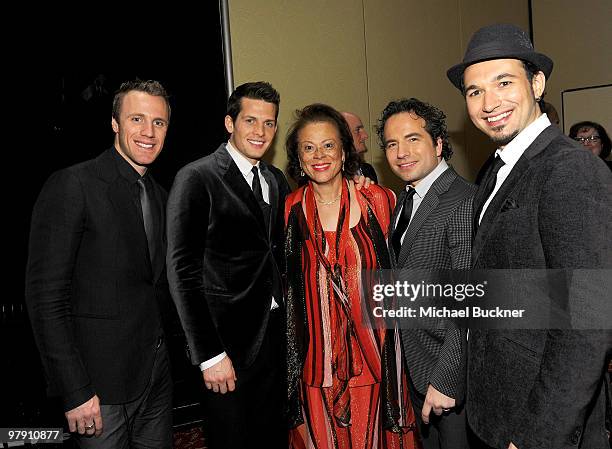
(431, 229)
(96, 285)
(225, 232)
(543, 203)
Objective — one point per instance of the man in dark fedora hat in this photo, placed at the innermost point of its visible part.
(542, 204)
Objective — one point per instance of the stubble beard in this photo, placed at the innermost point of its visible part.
(503, 140)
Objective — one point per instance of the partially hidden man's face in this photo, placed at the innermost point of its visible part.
(500, 100)
(358, 131)
(409, 148)
(254, 128)
(141, 129)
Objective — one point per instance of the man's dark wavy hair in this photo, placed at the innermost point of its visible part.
(258, 90)
(317, 113)
(435, 121)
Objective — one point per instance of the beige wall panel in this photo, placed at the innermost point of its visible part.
(311, 51)
(596, 104)
(577, 36)
(359, 54)
(409, 47)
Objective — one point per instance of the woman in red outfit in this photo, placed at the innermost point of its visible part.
(335, 361)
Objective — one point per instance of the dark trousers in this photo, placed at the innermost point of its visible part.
(252, 415)
(447, 431)
(143, 423)
(477, 443)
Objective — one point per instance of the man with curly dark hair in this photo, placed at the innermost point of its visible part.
(431, 229)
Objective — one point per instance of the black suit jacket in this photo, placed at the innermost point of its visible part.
(222, 261)
(93, 297)
(543, 388)
(439, 237)
(368, 171)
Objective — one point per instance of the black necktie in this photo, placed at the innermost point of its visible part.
(147, 216)
(487, 188)
(276, 291)
(404, 220)
(265, 207)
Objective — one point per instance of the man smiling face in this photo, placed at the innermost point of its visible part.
(500, 99)
(141, 129)
(409, 148)
(253, 130)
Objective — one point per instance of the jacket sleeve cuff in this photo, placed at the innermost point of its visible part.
(77, 397)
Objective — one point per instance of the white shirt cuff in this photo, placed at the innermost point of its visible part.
(211, 362)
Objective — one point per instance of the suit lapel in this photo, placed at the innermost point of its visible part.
(492, 213)
(272, 192)
(427, 206)
(400, 201)
(160, 262)
(479, 199)
(512, 181)
(236, 182)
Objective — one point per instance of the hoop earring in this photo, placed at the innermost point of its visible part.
(301, 173)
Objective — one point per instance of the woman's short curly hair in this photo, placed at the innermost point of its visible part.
(317, 113)
(435, 121)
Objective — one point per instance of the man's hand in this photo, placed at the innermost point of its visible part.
(436, 401)
(361, 181)
(86, 418)
(220, 377)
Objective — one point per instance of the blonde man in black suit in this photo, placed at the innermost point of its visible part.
(96, 285)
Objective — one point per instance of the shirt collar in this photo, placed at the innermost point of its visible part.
(425, 184)
(515, 149)
(125, 169)
(244, 165)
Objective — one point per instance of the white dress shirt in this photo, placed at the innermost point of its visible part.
(421, 190)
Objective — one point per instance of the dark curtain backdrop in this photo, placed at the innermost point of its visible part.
(59, 98)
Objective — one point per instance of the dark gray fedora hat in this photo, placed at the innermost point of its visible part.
(499, 41)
